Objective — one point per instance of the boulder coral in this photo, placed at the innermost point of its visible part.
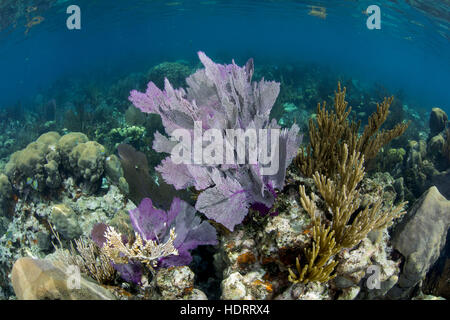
(438, 119)
(27, 167)
(44, 163)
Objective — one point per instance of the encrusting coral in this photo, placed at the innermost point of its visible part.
(324, 152)
(335, 160)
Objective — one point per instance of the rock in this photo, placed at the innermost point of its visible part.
(420, 237)
(65, 221)
(114, 172)
(196, 294)
(3, 225)
(233, 287)
(310, 291)
(357, 265)
(416, 153)
(122, 223)
(435, 145)
(250, 286)
(441, 181)
(437, 280)
(427, 297)
(349, 293)
(176, 283)
(399, 186)
(438, 118)
(113, 168)
(34, 279)
(5, 195)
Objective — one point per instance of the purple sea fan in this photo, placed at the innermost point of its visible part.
(222, 98)
(154, 224)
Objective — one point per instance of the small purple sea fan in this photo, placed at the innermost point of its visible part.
(222, 98)
(154, 224)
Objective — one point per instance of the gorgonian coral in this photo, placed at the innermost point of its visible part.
(332, 129)
(224, 100)
(162, 239)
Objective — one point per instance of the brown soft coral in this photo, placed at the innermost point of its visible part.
(335, 160)
(332, 129)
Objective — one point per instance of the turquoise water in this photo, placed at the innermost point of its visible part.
(410, 53)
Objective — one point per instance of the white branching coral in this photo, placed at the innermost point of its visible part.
(146, 252)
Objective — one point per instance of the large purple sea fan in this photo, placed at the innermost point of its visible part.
(222, 98)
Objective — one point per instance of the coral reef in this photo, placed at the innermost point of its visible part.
(29, 231)
(256, 257)
(319, 229)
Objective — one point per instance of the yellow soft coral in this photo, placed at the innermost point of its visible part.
(342, 199)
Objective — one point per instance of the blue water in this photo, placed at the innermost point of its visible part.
(411, 52)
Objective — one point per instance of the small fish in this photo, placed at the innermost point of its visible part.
(320, 12)
(31, 9)
(33, 22)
